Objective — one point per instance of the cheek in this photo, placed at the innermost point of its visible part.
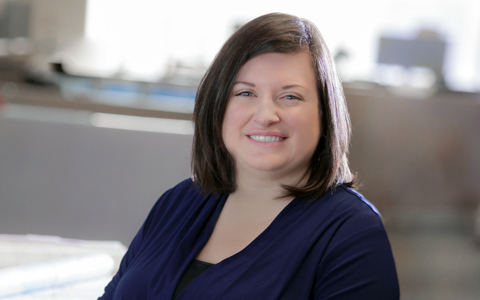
(309, 126)
(227, 124)
(235, 118)
(231, 127)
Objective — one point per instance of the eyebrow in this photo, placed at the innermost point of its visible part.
(244, 82)
(285, 87)
(292, 86)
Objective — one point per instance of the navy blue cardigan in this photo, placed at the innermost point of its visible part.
(332, 248)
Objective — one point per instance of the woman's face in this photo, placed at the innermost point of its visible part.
(272, 123)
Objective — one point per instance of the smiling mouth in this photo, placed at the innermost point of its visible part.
(268, 138)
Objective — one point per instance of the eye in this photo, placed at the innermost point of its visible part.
(244, 94)
(292, 97)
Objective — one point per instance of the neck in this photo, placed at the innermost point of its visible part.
(256, 189)
(259, 187)
(256, 200)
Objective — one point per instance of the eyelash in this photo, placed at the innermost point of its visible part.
(249, 94)
(243, 94)
(291, 97)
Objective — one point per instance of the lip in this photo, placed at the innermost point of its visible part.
(267, 133)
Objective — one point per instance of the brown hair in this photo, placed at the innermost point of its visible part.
(212, 166)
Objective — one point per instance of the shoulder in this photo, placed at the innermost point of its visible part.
(180, 200)
(350, 220)
(358, 258)
(349, 206)
(356, 198)
(184, 191)
(186, 186)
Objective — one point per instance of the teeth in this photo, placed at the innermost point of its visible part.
(263, 138)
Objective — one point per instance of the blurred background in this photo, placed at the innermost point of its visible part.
(97, 95)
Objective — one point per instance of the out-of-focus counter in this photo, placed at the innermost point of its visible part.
(48, 267)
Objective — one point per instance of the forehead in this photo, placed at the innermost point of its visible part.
(289, 68)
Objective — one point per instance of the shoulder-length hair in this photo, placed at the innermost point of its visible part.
(212, 166)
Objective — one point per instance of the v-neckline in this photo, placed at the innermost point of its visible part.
(210, 227)
(255, 241)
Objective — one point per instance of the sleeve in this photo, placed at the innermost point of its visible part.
(358, 264)
(129, 256)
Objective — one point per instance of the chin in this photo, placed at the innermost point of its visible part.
(266, 165)
(272, 167)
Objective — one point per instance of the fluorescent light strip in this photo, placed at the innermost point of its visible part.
(142, 123)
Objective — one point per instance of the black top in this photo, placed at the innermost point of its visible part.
(196, 268)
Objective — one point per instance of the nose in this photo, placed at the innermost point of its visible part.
(266, 113)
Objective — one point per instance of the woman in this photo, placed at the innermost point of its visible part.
(270, 212)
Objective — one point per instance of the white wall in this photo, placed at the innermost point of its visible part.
(193, 31)
(57, 22)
